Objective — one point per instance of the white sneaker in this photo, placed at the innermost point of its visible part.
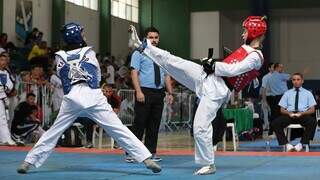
(134, 41)
(215, 148)
(11, 143)
(24, 168)
(298, 147)
(272, 136)
(153, 166)
(290, 148)
(205, 170)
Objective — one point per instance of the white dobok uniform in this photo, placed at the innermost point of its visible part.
(80, 74)
(212, 90)
(5, 84)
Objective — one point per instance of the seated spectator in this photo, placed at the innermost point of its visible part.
(297, 107)
(39, 54)
(31, 37)
(25, 121)
(24, 86)
(3, 40)
(317, 96)
(113, 99)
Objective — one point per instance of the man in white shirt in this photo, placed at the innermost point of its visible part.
(110, 74)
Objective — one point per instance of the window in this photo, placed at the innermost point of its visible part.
(125, 9)
(91, 4)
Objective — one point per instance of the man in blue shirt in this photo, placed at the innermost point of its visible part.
(277, 86)
(297, 107)
(149, 81)
(265, 92)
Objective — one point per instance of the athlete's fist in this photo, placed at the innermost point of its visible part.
(208, 66)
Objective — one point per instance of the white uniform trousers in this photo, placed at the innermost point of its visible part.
(13, 102)
(190, 75)
(5, 135)
(86, 102)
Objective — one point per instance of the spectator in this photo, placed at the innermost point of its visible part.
(39, 54)
(297, 107)
(113, 99)
(31, 37)
(25, 120)
(39, 37)
(112, 60)
(277, 84)
(17, 58)
(3, 40)
(37, 75)
(5, 85)
(265, 92)
(24, 86)
(123, 78)
(317, 96)
(110, 73)
(57, 93)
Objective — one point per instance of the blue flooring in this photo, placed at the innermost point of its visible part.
(104, 167)
(261, 144)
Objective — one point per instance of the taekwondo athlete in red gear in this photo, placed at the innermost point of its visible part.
(212, 82)
(79, 72)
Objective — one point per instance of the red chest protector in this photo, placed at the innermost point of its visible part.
(242, 80)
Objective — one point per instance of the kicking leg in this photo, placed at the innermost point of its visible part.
(185, 72)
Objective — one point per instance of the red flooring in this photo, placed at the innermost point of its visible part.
(165, 152)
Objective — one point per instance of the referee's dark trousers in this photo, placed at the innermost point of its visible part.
(148, 117)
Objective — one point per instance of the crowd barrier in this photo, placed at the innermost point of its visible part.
(175, 116)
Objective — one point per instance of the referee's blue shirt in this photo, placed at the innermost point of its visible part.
(144, 66)
(305, 101)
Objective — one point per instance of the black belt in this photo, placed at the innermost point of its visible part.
(230, 87)
(79, 82)
(153, 89)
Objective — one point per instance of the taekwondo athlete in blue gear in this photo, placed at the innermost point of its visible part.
(5, 85)
(80, 74)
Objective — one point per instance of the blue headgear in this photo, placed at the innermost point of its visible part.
(71, 33)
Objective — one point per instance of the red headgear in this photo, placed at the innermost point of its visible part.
(256, 26)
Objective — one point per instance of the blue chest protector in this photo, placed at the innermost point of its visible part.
(76, 68)
(3, 79)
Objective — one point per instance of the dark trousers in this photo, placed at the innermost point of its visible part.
(148, 117)
(308, 122)
(22, 130)
(273, 102)
(219, 126)
(88, 126)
